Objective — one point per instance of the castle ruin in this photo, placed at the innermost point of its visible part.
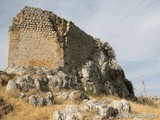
(39, 38)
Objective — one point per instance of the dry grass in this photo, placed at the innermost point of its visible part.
(24, 111)
(139, 108)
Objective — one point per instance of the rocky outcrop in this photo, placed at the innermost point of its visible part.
(94, 110)
(71, 113)
(122, 106)
(37, 100)
(11, 85)
(63, 56)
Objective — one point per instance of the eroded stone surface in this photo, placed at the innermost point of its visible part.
(11, 85)
(123, 106)
(71, 113)
(36, 32)
(37, 100)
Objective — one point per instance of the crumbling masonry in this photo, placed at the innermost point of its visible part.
(39, 38)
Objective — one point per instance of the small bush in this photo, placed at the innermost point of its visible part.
(89, 92)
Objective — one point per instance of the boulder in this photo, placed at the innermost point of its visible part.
(40, 101)
(49, 99)
(22, 95)
(77, 95)
(17, 70)
(33, 100)
(11, 85)
(111, 112)
(59, 115)
(85, 72)
(53, 82)
(36, 100)
(101, 109)
(97, 107)
(58, 81)
(62, 95)
(25, 82)
(41, 84)
(123, 106)
(37, 84)
(73, 113)
(90, 106)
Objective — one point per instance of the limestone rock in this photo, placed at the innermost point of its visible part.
(62, 95)
(111, 112)
(33, 100)
(85, 72)
(59, 115)
(22, 95)
(16, 69)
(11, 85)
(58, 81)
(37, 84)
(96, 106)
(41, 84)
(102, 110)
(49, 98)
(25, 82)
(36, 100)
(123, 106)
(77, 95)
(90, 105)
(71, 113)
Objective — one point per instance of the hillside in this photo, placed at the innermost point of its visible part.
(56, 71)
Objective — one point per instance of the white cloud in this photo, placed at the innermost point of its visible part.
(147, 72)
(151, 22)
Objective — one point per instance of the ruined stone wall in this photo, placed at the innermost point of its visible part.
(79, 46)
(41, 38)
(32, 40)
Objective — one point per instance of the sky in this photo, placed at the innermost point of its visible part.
(132, 28)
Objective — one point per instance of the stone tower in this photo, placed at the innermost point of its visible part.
(41, 38)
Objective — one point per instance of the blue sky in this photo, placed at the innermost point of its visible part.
(132, 27)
